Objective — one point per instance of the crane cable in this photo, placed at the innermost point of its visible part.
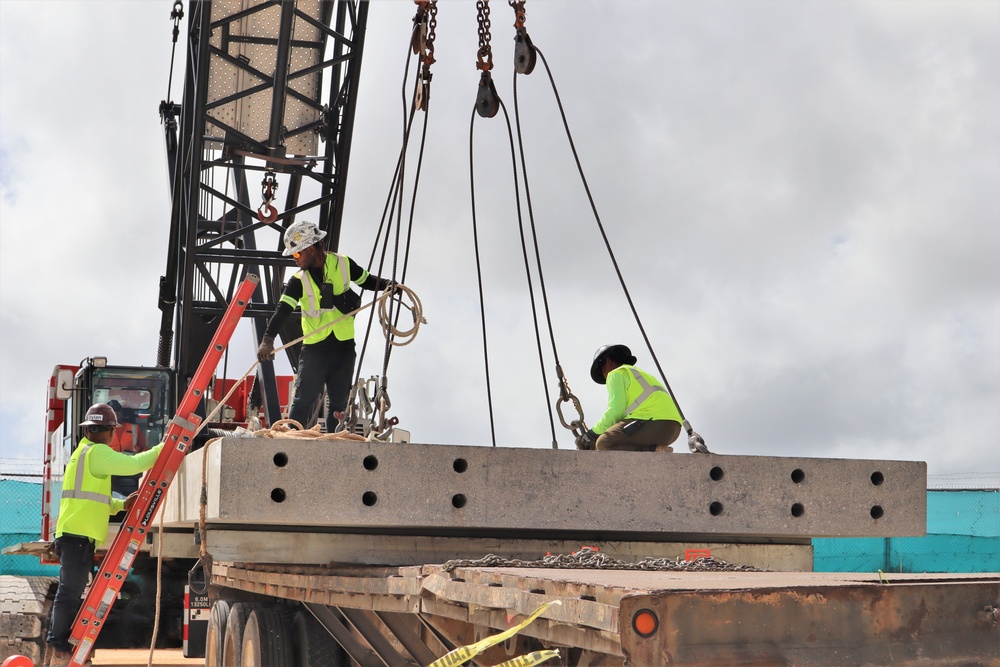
(695, 441)
(524, 63)
(422, 38)
(488, 102)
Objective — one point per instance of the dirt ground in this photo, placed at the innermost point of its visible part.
(140, 657)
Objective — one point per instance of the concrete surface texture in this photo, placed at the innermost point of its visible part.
(459, 490)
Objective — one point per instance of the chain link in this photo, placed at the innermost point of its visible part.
(485, 50)
(592, 559)
(519, 13)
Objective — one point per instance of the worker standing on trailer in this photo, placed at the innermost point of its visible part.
(322, 289)
(84, 511)
(641, 415)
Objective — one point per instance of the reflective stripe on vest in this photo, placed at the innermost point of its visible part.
(310, 294)
(77, 492)
(647, 391)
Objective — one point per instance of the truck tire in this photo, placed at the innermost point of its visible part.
(266, 639)
(232, 645)
(216, 635)
(314, 646)
(25, 603)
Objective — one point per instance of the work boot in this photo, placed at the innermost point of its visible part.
(664, 448)
(60, 658)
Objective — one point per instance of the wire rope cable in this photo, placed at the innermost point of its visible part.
(614, 261)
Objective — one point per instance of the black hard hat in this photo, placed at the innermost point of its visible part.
(619, 353)
(100, 414)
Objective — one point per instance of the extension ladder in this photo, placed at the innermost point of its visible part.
(153, 489)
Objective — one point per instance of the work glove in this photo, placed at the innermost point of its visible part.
(587, 440)
(266, 350)
(131, 500)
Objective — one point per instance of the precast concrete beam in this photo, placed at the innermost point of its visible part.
(375, 487)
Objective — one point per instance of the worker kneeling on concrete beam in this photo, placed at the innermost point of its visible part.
(641, 416)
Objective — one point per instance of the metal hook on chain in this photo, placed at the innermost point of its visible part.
(525, 55)
(578, 426)
(382, 403)
(487, 100)
(424, 33)
(268, 191)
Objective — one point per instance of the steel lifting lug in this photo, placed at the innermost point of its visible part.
(487, 100)
(695, 442)
(524, 53)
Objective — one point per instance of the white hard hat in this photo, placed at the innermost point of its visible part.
(300, 236)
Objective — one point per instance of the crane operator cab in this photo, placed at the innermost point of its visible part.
(141, 399)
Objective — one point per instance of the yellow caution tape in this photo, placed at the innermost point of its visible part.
(466, 653)
(530, 659)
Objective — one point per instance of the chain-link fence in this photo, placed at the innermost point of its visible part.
(20, 521)
(963, 535)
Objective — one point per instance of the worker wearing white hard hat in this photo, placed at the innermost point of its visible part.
(321, 289)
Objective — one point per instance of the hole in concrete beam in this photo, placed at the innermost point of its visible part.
(458, 500)
(877, 478)
(278, 495)
(460, 465)
(369, 498)
(370, 462)
(877, 512)
(281, 459)
(798, 476)
(798, 510)
(716, 473)
(588, 598)
(715, 508)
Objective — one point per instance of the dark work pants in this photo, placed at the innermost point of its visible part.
(323, 364)
(76, 563)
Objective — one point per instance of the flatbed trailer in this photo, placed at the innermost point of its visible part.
(354, 538)
(698, 617)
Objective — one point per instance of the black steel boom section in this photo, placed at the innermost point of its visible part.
(268, 84)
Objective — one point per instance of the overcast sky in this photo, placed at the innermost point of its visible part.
(804, 198)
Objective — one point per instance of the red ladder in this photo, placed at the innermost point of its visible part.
(118, 561)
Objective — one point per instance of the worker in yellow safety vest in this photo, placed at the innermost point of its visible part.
(84, 511)
(641, 415)
(322, 290)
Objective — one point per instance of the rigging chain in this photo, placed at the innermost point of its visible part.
(487, 100)
(422, 42)
(524, 50)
